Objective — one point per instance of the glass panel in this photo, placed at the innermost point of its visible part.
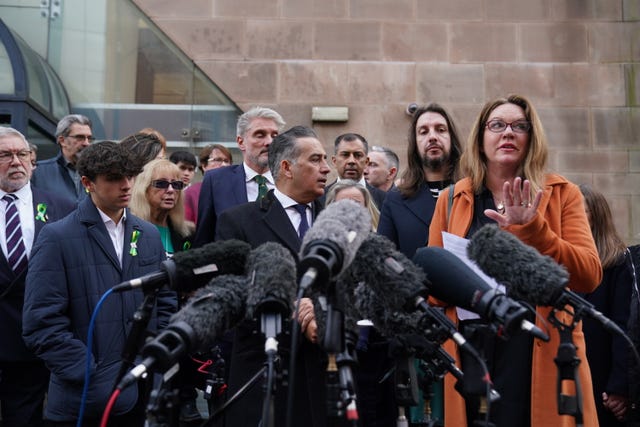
(6, 72)
(38, 83)
(119, 69)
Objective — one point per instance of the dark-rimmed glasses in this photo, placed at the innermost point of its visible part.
(22, 155)
(518, 126)
(80, 138)
(164, 184)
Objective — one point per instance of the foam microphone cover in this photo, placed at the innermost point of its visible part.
(526, 274)
(344, 225)
(271, 271)
(216, 258)
(213, 309)
(387, 271)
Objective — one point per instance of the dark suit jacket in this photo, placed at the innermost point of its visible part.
(377, 195)
(257, 223)
(73, 264)
(52, 175)
(222, 189)
(406, 221)
(13, 348)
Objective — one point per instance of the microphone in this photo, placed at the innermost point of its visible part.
(271, 271)
(454, 282)
(527, 274)
(190, 270)
(207, 315)
(388, 287)
(331, 243)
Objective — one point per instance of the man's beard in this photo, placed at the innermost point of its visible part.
(435, 163)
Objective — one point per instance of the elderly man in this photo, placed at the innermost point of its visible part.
(59, 173)
(25, 210)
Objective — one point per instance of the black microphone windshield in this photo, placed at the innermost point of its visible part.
(271, 271)
(527, 274)
(212, 310)
(196, 267)
(387, 271)
(331, 243)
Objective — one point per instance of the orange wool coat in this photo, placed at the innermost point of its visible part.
(560, 230)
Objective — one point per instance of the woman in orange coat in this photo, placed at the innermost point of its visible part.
(506, 183)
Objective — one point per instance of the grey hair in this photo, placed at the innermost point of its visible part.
(64, 125)
(389, 154)
(9, 131)
(244, 121)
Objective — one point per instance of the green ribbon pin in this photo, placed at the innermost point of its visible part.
(134, 243)
(42, 212)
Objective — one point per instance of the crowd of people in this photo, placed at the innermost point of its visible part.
(101, 213)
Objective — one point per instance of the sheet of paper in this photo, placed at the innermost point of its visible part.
(458, 246)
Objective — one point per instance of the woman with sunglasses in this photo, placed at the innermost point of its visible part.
(157, 198)
(506, 183)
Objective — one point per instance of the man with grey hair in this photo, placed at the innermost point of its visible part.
(23, 377)
(382, 169)
(58, 174)
(230, 186)
(299, 166)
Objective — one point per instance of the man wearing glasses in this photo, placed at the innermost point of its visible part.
(23, 213)
(59, 174)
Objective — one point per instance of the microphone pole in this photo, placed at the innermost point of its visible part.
(341, 396)
(567, 362)
(136, 336)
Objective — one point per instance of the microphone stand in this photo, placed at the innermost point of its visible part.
(136, 336)
(341, 397)
(567, 362)
(271, 326)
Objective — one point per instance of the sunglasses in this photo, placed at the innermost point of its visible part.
(163, 184)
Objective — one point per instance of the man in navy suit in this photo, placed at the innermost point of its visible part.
(58, 174)
(230, 186)
(434, 151)
(299, 166)
(74, 262)
(350, 159)
(23, 377)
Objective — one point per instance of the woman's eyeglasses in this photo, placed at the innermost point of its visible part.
(164, 184)
(518, 126)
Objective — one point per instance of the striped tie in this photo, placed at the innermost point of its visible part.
(15, 246)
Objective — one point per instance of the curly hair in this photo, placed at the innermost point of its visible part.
(146, 145)
(109, 159)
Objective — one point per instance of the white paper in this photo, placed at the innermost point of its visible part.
(458, 246)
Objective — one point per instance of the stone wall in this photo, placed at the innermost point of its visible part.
(578, 60)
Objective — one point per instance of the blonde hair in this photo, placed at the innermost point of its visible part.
(368, 201)
(473, 162)
(140, 204)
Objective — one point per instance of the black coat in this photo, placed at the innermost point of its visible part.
(12, 286)
(257, 223)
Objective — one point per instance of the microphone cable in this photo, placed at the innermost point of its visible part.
(87, 373)
(107, 411)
